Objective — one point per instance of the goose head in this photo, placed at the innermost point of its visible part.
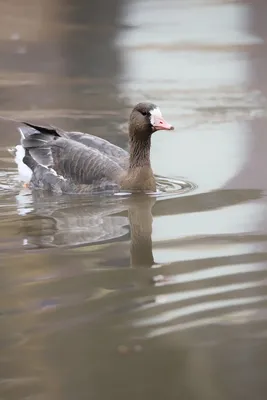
(145, 119)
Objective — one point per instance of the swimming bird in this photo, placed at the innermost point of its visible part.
(52, 159)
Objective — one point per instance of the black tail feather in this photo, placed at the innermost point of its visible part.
(46, 129)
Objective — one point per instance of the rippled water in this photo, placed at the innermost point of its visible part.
(137, 296)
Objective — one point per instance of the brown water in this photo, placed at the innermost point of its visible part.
(138, 297)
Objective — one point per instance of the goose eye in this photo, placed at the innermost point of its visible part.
(144, 113)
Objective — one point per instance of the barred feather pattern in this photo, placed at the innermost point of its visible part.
(63, 163)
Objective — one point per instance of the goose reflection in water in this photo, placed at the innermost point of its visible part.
(71, 222)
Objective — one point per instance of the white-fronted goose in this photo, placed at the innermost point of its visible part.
(51, 159)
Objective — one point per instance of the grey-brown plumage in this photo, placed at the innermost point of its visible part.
(79, 162)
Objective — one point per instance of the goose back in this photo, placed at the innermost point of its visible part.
(68, 158)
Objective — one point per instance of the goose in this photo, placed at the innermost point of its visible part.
(52, 159)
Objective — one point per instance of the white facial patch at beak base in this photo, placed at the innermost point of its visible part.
(155, 113)
(158, 122)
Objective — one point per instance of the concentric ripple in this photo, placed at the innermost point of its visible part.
(168, 186)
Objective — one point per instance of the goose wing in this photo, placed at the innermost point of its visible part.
(116, 153)
(69, 158)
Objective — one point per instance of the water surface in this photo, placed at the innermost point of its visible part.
(146, 297)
